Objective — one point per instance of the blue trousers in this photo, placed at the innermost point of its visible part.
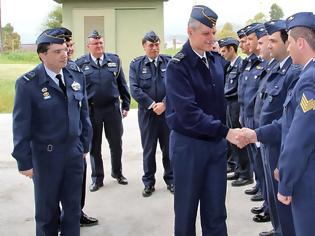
(153, 128)
(199, 169)
(58, 176)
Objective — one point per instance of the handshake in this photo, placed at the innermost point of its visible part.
(241, 137)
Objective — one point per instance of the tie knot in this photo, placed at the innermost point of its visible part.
(58, 76)
(98, 61)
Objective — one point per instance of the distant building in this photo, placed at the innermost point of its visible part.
(122, 23)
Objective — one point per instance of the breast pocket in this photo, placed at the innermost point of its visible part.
(145, 81)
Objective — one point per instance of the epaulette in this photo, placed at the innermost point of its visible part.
(166, 55)
(178, 57)
(137, 59)
(73, 66)
(82, 60)
(29, 75)
(112, 56)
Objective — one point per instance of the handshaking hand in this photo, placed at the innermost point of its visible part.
(241, 137)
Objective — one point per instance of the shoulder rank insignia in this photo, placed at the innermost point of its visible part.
(29, 76)
(178, 57)
(259, 67)
(306, 104)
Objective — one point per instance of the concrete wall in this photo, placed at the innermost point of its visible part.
(124, 24)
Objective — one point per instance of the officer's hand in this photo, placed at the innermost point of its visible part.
(235, 137)
(249, 135)
(286, 200)
(276, 174)
(27, 173)
(124, 113)
(159, 108)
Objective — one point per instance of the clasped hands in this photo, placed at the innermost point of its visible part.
(241, 137)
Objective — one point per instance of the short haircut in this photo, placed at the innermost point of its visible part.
(193, 23)
(305, 33)
(284, 35)
(232, 46)
(42, 47)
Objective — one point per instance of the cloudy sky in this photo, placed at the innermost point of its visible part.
(27, 16)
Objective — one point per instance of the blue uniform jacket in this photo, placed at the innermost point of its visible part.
(231, 79)
(107, 84)
(41, 114)
(275, 91)
(195, 102)
(297, 158)
(146, 88)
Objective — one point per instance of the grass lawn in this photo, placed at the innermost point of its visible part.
(8, 75)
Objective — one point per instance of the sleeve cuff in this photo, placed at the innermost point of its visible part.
(25, 165)
(285, 191)
(223, 131)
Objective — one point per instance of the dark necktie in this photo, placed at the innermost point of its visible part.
(61, 84)
(205, 61)
(153, 68)
(98, 62)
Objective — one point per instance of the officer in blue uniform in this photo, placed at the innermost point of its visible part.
(147, 86)
(295, 129)
(85, 220)
(106, 87)
(247, 90)
(273, 94)
(195, 113)
(49, 146)
(228, 49)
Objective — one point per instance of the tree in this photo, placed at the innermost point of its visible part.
(258, 18)
(11, 39)
(275, 12)
(54, 18)
(227, 31)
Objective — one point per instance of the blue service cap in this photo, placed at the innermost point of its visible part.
(241, 33)
(55, 35)
(151, 36)
(257, 28)
(204, 15)
(301, 19)
(67, 33)
(95, 35)
(228, 41)
(275, 26)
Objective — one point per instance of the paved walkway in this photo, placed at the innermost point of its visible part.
(121, 210)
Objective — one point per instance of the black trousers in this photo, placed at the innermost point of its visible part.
(110, 119)
(239, 156)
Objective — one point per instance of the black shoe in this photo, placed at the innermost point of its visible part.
(147, 191)
(242, 182)
(95, 186)
(257, 210)
(171, 188)
(269, 233)
(232, 177)
(261, 218)
(87, 221)
(251, 191)
(257, 197)
(120, 179)
(229, 169)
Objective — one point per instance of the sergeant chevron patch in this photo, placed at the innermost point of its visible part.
(306, 104)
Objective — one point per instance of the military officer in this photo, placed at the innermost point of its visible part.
(85, 220)
(247, 89)
(295, 129)
(49, 146)
(228, 49)
(147, 86)
(106, 87)
(273, 94)
(195, 113)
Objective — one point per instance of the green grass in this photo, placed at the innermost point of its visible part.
(8, 75)
(19, 58)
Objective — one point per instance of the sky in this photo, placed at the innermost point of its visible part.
(26, 16)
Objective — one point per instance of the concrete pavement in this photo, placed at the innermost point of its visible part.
(121, 210)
